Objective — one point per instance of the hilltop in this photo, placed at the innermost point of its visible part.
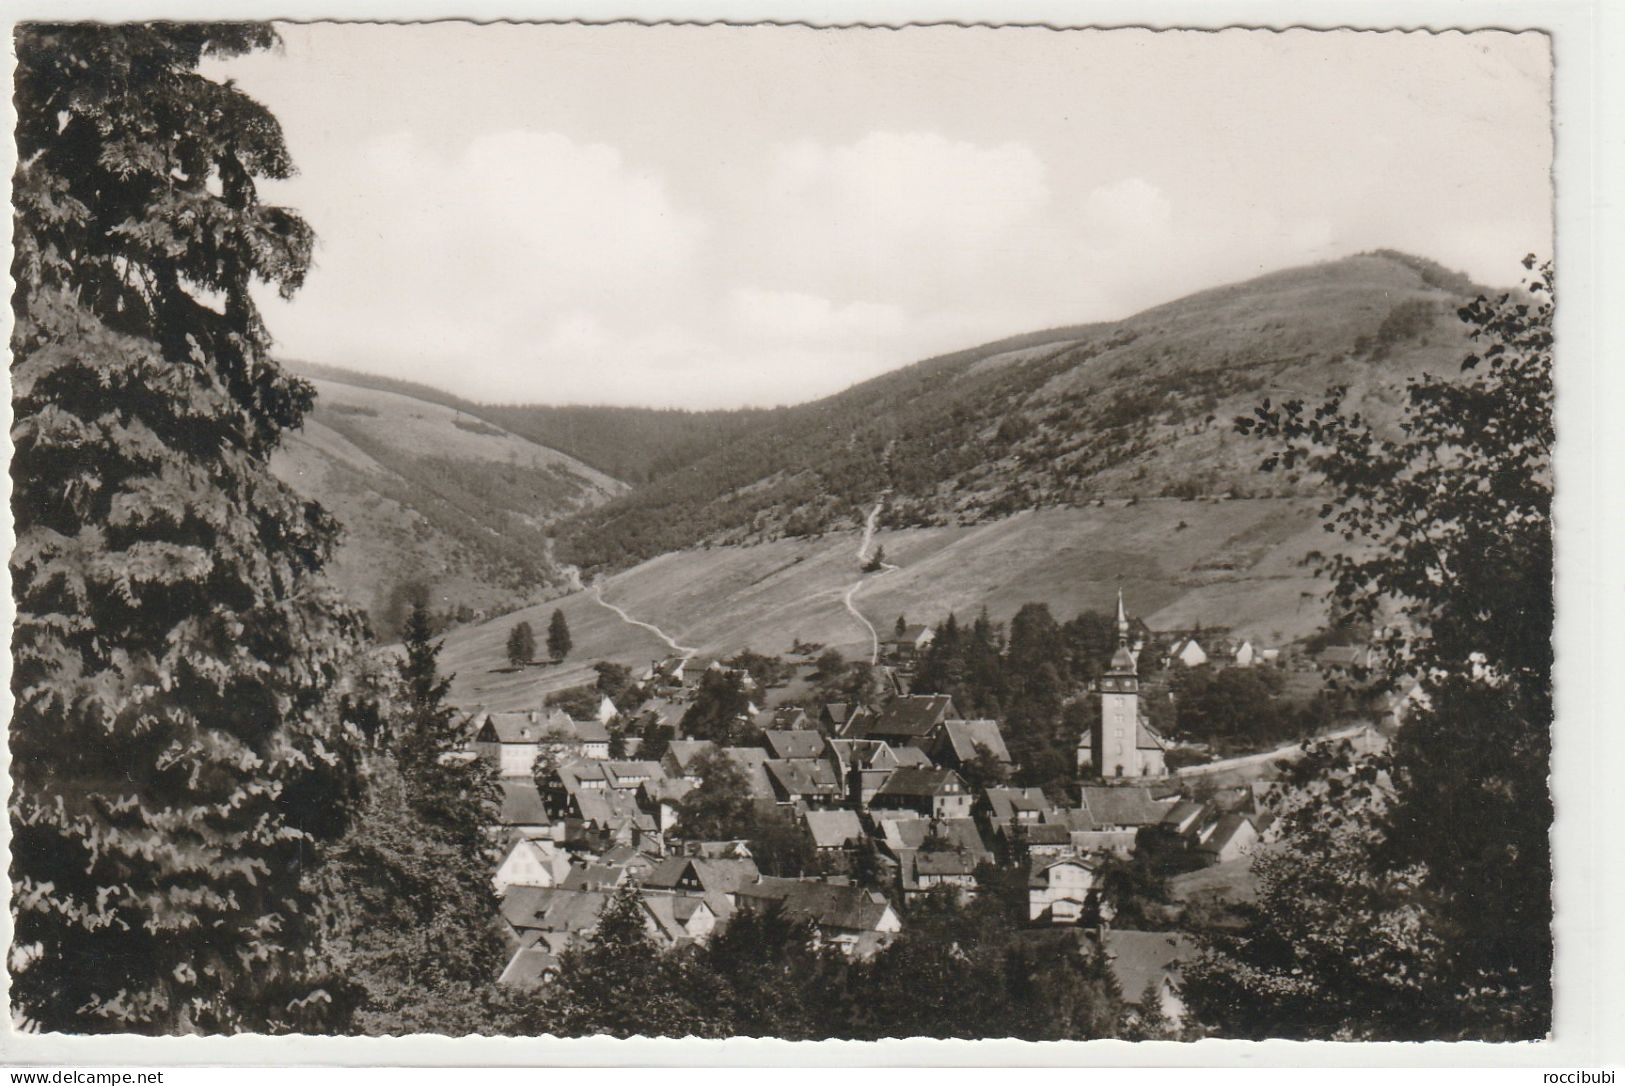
(431, 497)
(1136, 408)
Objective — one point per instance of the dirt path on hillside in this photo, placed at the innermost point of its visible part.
(682, 650)
(851, 593)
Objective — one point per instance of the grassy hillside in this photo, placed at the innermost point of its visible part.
(1141, 407)
(633, 444)
(1234, 563)
(433, 497)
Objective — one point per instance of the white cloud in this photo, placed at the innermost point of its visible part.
(433, 259)
(774, 315)
(1128, 212)
(891, 216)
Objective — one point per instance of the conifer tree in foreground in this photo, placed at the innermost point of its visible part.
(417, 914)
(177, 762)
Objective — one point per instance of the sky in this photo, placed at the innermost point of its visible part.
(716, 217)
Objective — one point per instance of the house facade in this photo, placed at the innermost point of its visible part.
(1062, 891)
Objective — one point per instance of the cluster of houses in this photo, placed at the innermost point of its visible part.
(882, 795)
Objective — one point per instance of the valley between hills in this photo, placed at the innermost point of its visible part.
(1053, 467)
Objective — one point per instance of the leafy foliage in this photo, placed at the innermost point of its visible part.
(719, 808)
(719, 711)
(1234, 708)
(178, 759)
(621, 985)
(1337, 947)
(1454, 518)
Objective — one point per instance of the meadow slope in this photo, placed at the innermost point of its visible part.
(1234, 563)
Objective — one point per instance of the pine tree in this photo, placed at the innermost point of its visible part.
(178, 762)
(450, 787)
(558, 636)
(521, 645)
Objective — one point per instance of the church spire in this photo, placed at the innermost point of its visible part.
(1123, 662)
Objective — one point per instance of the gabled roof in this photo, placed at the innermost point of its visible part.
(911, 635)
(555, 909)
(529, 966)
(910, 755)
(801, 777)
(864, 753)
(903, 834)
(1228, 827)
(682, 752)
(1147, 739)
(830, 906)
(752, 762)
(1142, 960)
(965, 736)
(912, 716)
(590, 731)
(612, 808)
(795, 743)
(919, 781)
(1181, 815)
(837, 712)
(664, 710)
(1123, 805)
(1005, 804)
(1040, 872)
(521, 803)
(666, 789)
(574, 773)
(521, 727)
(947, 862)
(787, 717)
(1048, 833)
(663, 911)
(714, 876)
(593, 877)
(834, 829)
(630, 774)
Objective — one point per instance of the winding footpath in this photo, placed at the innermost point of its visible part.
(851, 593)
(682, 650)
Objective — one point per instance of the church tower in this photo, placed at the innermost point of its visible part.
(1117, 732)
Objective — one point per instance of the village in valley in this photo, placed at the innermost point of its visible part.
(844, 796)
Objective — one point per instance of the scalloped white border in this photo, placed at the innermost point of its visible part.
(1588, 39)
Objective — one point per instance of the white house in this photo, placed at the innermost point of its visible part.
(1061, 891)
(1230, 838)
(531, 862)
(1187, 653)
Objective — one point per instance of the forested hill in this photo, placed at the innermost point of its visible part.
(633, 444)
(433, 501)
(1136, 408)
